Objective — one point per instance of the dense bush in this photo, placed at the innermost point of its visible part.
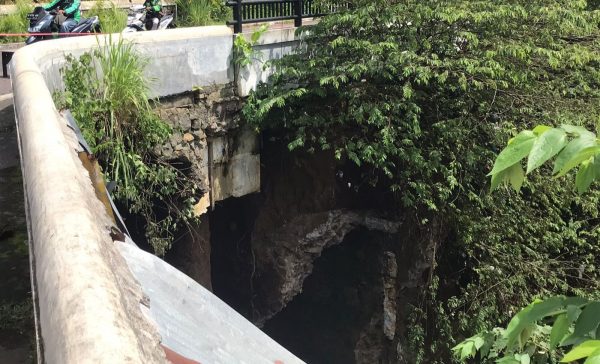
(422, 95)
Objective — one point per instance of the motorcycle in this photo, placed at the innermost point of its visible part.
(136, 20)
(43, 22)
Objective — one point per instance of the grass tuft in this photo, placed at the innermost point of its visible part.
(202, 12)
(107, 91)
(15, 22)
(112, 19)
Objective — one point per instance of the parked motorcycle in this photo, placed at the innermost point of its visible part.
(43, 21)
(136, 20)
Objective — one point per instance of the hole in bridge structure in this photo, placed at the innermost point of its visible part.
(323, 323)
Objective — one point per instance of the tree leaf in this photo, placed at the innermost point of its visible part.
(578, 130)
(546, 146)
(468, 350)
(583, 350)
(478, 341)
(588, 320)
(528, 316)
(516, 150)
(508, 360)
(541, 129)
(585, 175)
(581, 156)
(575, 301)
(573, 312)
(498, 178)
(574, 147)
(559, 330)
(525, 359)
(594, 358)
(515, 176)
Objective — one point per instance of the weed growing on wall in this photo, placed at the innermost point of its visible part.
(244, 52)
(107, 93)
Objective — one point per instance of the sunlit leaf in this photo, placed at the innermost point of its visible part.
(515, 176)
(585, 175)
(546, 146)
(541, 129)
(583, 350)
(594, 358)
(515, 151)
(572, 148)
(581, 156)
(579, 130)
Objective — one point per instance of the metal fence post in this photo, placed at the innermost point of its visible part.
(237, 16)
(298, 13)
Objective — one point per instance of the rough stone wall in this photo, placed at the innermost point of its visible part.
(309, 208)
(195, 117)
(198, 118)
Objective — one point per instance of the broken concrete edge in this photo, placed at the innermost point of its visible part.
(88, 299)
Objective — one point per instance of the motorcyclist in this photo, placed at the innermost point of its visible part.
(68, 8)
(153, 13)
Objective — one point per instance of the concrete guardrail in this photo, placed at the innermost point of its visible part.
(89, 306)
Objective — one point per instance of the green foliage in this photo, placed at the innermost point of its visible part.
(112, 19)
(201, 12)
(576, 319)
(107, 93)
(15, 22)
(420, 95)
(244, 52)
(574, 322)
(572, 146)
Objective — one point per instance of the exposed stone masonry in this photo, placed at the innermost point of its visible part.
(195, 117)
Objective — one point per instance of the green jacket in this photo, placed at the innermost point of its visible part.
(71, 8)
(154, 4)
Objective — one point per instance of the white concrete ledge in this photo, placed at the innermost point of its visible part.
(179, 58)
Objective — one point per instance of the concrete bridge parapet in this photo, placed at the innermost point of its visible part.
(90, 307)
